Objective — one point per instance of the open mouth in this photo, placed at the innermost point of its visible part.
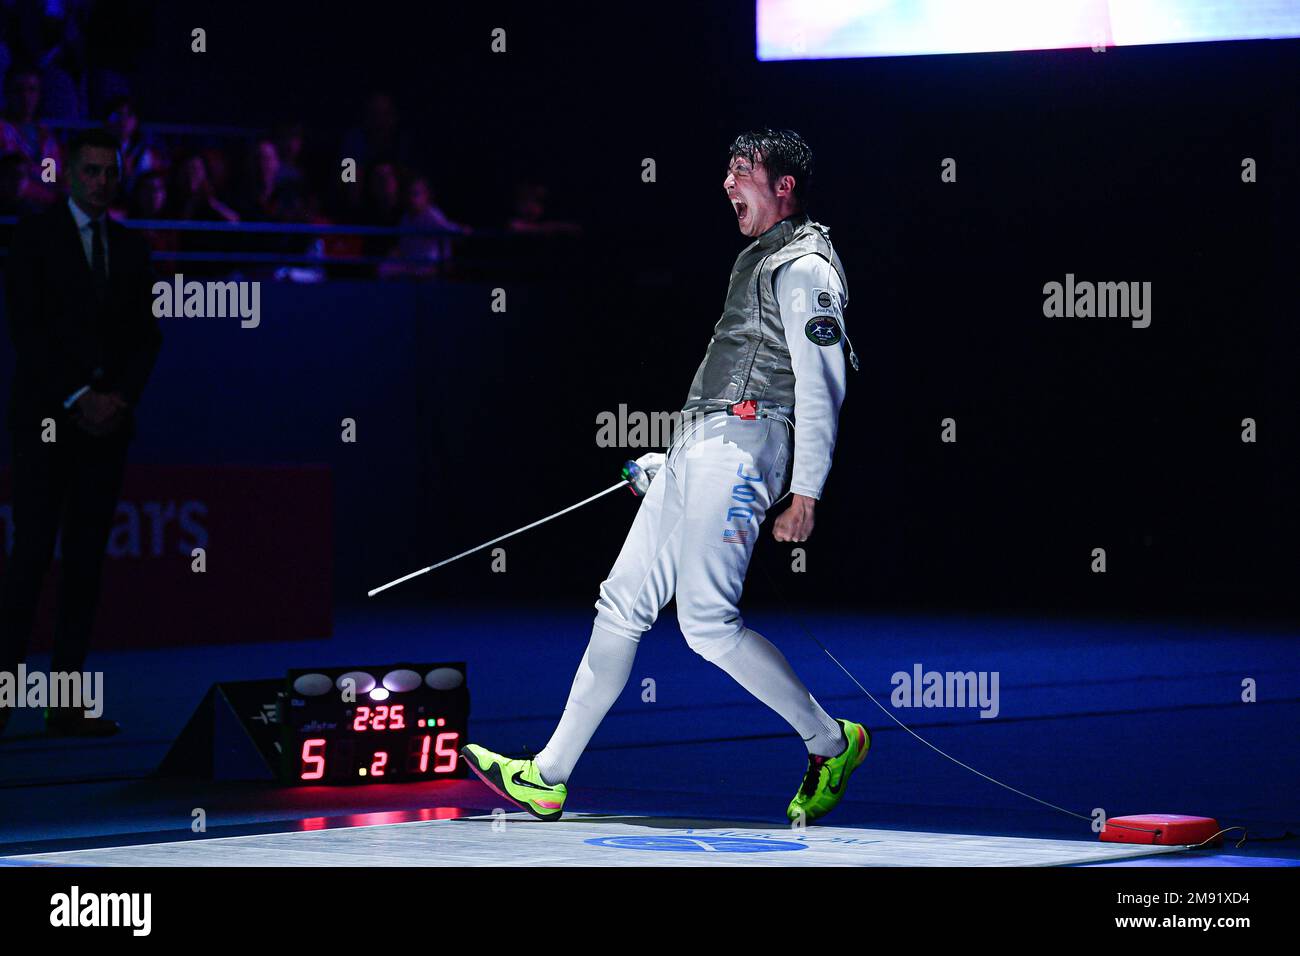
(742, 211)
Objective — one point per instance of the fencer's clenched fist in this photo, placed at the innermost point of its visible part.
(795, 523)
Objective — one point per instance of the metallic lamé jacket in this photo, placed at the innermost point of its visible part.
(747, 356)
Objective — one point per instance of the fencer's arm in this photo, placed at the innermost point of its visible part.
(819, 370)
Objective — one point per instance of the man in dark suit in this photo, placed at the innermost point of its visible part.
(79, 305)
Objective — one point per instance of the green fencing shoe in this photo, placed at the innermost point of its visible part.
(823, 784)
(517, 781)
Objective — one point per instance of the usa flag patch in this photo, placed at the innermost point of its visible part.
(735, 535)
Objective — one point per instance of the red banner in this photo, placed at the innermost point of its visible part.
(268, 543)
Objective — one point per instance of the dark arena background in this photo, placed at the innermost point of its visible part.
(1097, 514)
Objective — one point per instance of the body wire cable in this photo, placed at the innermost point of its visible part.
(1029, 796)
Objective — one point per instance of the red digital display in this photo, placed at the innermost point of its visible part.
(313, 759)
(417, 736)
(382, 717)
(428, 755)
(434, 753)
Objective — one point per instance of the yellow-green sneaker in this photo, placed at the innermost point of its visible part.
(517, 781)
(823, 784)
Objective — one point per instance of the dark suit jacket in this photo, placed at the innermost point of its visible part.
(66, 335)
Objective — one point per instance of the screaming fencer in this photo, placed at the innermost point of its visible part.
(759, 424)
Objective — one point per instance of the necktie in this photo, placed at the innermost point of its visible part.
(97, 264)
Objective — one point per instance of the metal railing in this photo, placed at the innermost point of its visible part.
(313, 230)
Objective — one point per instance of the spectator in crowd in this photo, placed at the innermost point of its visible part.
(60, 53)
(347, 201)
(15, 192)
(288, 139)
(383, 194)
(192, 195)
(383, 205)
(16, 195)
(218, 167)
(149, 198)
(380, 135)
(63, 95)
(434, 252)
(20, 131)
(140, 153)
(530, 214)
(265, 198)
(149, 201)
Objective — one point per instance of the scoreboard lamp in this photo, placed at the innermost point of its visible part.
(355, 725)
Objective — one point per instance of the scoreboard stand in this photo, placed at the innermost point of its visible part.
(394, 723)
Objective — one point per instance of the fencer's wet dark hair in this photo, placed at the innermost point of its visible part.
(783, 152)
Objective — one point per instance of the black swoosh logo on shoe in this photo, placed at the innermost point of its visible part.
(520, 782)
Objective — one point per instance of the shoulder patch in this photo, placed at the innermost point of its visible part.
(825, 302)
(822, 330)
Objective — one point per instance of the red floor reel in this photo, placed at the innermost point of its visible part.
(1160, 829)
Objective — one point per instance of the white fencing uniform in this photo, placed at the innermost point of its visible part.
(695, 530)
(696, 527)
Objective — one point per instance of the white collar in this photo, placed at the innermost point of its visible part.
(80, 216)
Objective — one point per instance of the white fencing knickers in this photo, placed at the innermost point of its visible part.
(695, 532)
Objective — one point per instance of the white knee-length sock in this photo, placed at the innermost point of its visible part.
(757, 665)
(601, 677)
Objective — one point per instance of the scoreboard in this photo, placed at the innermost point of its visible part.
(356, 725)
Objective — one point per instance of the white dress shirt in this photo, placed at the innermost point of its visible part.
(88, 246)
(87, 237)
